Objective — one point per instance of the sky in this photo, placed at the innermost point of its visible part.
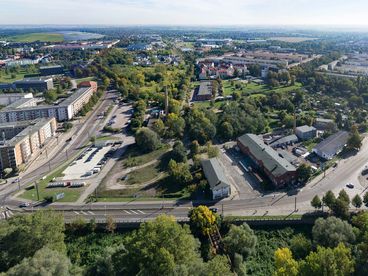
(185, 12)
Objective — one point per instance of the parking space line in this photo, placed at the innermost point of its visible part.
(134, 212)
(76, 212)
(91, 213)
(141, 212)
(84, 213)
(127, 212)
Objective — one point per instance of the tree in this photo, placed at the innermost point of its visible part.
(110, 224)
(179, 172)
(159, 127)
(326, 261)
(194, 147)
(179, 152)
(44, 262)
(332, 231)
(158, 247)
(22, 236)
(329, 199)
(300, 246)
(365, 199)
(218, 266)
(316, 202)
(344, 196)
(357, 201)
(202, 220)
(341, 208)
(241, 240)
(284, 263)
(355, 140)
(147, 140)
(239, 266)
(175, 125)
(304, 172)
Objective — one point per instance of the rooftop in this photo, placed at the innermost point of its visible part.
(205, 88)
(333, 143)
(214, 173)
(306, 128)
(272, 161)
(33, 80)
(77, 94)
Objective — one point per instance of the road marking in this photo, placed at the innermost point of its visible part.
(84, 213)
(127, 212)
(91, 213)
(231, 161)
(134, 212)
(141, 212)
(76, 212)
(3, 215)
(10, 213)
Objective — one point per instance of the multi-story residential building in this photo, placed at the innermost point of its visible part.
(20, 149)
(9, 98)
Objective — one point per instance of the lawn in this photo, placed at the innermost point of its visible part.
(11, 77)
(133, 156)
(32, 37)
(144, 175)
(78, 81)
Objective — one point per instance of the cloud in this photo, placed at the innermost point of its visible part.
(184, 12)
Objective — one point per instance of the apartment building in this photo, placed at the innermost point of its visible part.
(20, 149)
(9, 98)
(37, 84)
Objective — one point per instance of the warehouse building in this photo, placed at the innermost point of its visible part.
(332, 146)
(267, 160)
(215, 175)
(204, 91)
(52, 70)
(37, 84)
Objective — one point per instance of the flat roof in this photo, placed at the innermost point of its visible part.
(33, 80)
(205, 88)
(306, 128)
(18, 103)
(75, 96)
(51, 67)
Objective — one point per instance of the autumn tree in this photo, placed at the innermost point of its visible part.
(202, 220)
(284, 263)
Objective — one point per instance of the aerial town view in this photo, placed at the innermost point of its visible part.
(158, 137)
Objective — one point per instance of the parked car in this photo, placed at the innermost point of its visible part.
(350, 185)
(24, 204)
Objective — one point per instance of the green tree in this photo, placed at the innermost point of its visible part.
(218, 266)
(241, 240)
(239, 266)
(159, 127)
(147, 140)
(329, 199)
(357, 201)
(326, 261)
(175, 125)
(158, 247)
(284, 263)
(179, 152)
(22, 236)
(300, 246)
(179, 172)
(44, 262)
(355, 140)
(202, 220)
(343, 195)
(332, 231)
(341, 208)
(304, 172)
(365, 199)
(316, 202)
(110, 224)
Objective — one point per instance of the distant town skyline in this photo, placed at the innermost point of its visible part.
(188, 12)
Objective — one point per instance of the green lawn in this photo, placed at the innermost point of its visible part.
(32, 37)
(144, 175)
(133, 156)
(11, 77)
(78, 81)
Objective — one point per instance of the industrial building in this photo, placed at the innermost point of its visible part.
(51, 70)
(20, 149)
(267, 160)
(306, 132)
(215, 175)
(37, 84)
(332, 145)
(204, 91)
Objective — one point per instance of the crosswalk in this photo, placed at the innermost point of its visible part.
(128, 212)
(6, 214)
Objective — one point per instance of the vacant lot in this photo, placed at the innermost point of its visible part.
(44, 37)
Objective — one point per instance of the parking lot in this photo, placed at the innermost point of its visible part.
(88, 163)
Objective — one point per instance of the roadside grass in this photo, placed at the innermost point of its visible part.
(134, 157)
(32, 37)
(78, 81)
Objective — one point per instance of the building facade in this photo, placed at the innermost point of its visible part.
(306, 132)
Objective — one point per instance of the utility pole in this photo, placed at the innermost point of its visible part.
(66, 152)
(295, 205)
(18, 183)
(222, 209)
(38, 193)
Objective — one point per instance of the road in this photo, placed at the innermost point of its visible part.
(85, 129)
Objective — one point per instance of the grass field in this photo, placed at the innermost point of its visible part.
(32, 37)
(143, 175)
(78, 81)
(133, 156)
(11, 77)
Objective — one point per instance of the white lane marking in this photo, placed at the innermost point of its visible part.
(91, 213)
(76, 212)
(140, 211)
(84, 213)
(127, 212)
(134, 212)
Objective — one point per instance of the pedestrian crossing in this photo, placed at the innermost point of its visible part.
(127, 212)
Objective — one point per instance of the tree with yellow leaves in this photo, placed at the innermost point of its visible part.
(202, 220)
(285, 264)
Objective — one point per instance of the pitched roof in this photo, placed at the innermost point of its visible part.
(270, 158)
(305, 128)
(333, 143)
(214, 173)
